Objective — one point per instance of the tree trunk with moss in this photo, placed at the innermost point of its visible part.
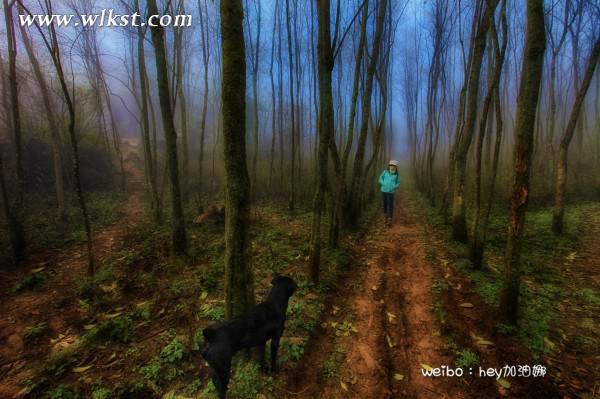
(325, 62)
(239, 285)
(178, 234)
(459, 219)
(561, 167)
(357, 173)
(527, 101)
(18, 209)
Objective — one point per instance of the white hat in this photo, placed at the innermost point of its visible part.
(393, 162)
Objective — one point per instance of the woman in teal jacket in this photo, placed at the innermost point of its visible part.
(389, 180)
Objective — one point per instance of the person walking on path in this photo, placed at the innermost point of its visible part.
(389, 181)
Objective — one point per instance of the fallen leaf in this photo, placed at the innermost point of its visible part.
(426, 367)
(503, 383)
(391, 317)
(549, 343)
(344, 386)
(374, 288)
(112, 315)
(466, 305)
(37, 270)
(483, 342)
(398, 377)
(82, 369)
(88, 327)
(203, 295)
(389, 341)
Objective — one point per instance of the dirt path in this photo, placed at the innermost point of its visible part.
(56, 304)
(383, 330)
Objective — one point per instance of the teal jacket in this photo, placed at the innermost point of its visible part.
(389, 182)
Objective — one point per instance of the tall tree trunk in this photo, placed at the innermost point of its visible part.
(479, 225)
(326, 117)
(341, 189)
(205, 59)
(254, 60)
(59, 182)
(146, 140)
(18, 210)
(292, 193)
(239, 285)
(273, 105)
(355, 189)
(533, 61)
(459, 219)
(563, 150)
(178, 234)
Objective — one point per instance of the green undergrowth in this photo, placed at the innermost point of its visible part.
(144, 310)
(544, 255)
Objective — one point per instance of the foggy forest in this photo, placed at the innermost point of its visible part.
(299, 199)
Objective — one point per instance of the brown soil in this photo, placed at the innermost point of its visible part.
(395, 330)
(56, 303)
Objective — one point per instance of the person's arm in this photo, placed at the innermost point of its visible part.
(397, 181)
(381, 177)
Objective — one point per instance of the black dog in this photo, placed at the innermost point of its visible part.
(252, 329)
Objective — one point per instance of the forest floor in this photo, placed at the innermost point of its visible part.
(52, 310)
(393, 303)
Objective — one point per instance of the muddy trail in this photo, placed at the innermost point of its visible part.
(384, 330)
(56, 303)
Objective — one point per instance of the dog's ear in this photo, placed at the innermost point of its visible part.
(209, 334)
(274, 280)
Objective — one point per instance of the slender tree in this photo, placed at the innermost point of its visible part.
(465, 137)
(18, 209)
(178, 234)
(59, 183)
(358, 168)
(527, 101)
(326, 118)
(563, 150)
(239, 286)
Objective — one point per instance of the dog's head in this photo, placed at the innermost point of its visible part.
(286, 283)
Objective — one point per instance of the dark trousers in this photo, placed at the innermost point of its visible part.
(388, 204)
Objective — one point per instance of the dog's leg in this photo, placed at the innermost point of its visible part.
(261, 357)
(221, 378)
(274, 348)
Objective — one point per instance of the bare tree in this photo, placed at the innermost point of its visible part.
(357, 174)
(239, 285)
(326, 119)
(59, 182)
(51, 41)
(563, 150)
(18, 209)
(178, 233)
(527, 101)
(464, 137)
(480, 223)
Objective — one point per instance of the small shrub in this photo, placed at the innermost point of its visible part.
(33, 281)
(62, 392)
(33, 333)
(102, 393)
(152, 371)
(118, 329)
(173, 351)
(466, 358)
